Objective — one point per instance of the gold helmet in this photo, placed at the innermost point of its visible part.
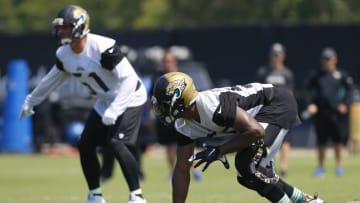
(74, 16)
(173, 93)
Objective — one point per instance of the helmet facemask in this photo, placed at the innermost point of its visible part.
(168, 111)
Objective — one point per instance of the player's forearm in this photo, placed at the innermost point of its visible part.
(48, 84)
(240, 142)
(180, 186)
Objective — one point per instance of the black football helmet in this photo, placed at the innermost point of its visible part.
(173, 93)
(74, 16)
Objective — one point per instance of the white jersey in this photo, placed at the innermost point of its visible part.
(217, 110)
(209, 106)
(116, 86)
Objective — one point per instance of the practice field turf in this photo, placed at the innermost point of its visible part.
(45, 179)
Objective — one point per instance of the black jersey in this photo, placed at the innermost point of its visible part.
(279, 77)
(328, 90)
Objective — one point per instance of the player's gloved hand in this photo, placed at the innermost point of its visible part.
(108, 118)
(207, 156)
(26, 110)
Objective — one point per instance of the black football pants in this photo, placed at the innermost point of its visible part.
(120, 138)
(272, 192)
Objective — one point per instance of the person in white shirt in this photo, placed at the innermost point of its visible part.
(242, 115)
(97, 62)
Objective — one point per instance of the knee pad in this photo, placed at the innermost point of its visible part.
(244, 159)
(247, 164)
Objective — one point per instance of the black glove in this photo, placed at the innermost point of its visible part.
(209, 155)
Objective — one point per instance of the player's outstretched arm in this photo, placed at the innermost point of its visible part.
(50, 81)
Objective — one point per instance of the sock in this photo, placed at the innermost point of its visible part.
(136, 192)
(297, 196)
(95, 191)
(284, 199)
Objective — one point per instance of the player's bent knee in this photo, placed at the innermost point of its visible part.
(243, 160)
(83, 146)
(117, 144)
(253, 183)
(247, 178)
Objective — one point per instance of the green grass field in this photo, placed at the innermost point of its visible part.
(43, 179)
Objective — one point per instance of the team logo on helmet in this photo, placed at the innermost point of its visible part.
(80, 15)
(176, 87)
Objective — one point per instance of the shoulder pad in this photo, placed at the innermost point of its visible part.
(102, 42)
(111, 57)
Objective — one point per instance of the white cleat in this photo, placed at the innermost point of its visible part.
(315, 199)
(136, 199)
(95, 198)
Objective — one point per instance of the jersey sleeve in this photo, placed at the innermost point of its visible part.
(348, 84)
(129, 84)
(59, 64)
(310, 87)
(51, 80)
(111, 57)
(225, 113)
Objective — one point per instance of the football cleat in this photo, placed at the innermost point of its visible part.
(314, 199)
(197, 175)
(136, 199)
(95, 198)
(339, 171)
(319, 172)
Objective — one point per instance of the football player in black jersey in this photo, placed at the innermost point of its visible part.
(245, 115)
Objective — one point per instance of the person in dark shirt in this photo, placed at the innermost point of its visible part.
(278, 74)
(329, 95)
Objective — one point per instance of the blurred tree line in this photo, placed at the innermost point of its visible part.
(27, 16)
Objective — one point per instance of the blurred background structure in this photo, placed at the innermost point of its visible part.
(222, 42)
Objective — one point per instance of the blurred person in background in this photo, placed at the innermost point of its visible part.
(244, 115)
(97, 62)
(278, 74)
(329, 92)
(165, 133)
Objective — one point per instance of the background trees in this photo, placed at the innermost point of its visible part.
(25, 16)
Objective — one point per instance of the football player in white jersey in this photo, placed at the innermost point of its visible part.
(244, 115)
(97, 62)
